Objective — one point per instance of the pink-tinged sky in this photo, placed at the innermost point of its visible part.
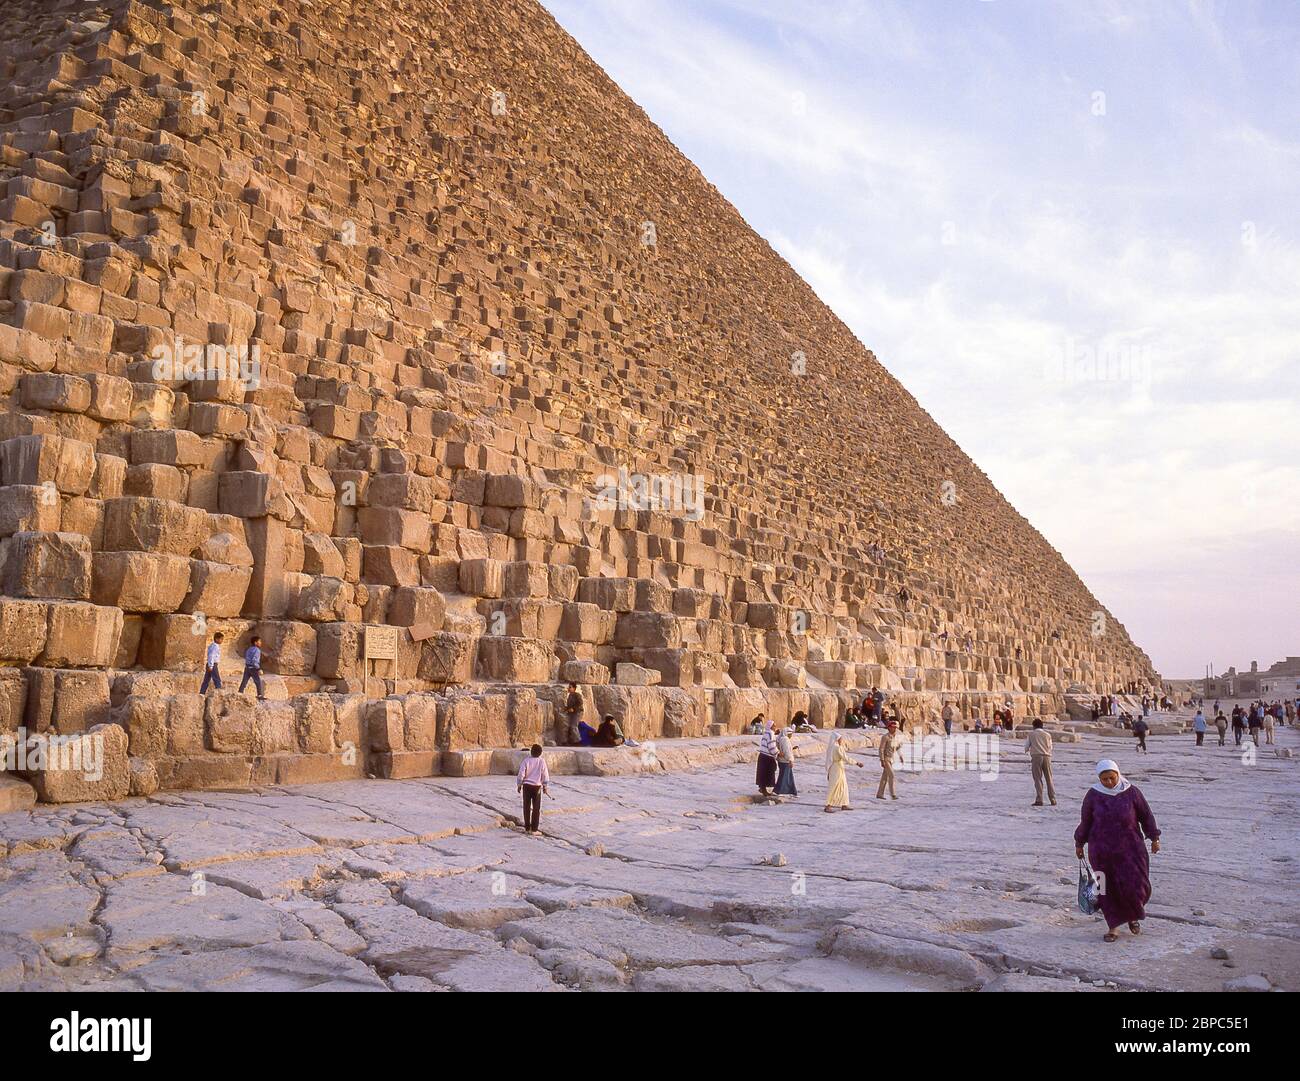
(1005, 198)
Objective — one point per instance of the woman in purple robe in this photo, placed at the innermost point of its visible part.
(1114, 820)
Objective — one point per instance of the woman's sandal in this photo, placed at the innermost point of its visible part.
(1110, 936)
(1135, 927)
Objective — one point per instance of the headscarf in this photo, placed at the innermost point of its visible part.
(767, 743)
(830, 751)
(1121, 785)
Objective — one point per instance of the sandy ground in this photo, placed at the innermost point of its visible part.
(658, 882)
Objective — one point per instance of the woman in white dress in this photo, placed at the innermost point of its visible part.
(837, 785)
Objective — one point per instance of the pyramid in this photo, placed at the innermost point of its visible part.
(397, 335)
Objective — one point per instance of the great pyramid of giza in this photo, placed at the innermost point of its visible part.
(324, 316)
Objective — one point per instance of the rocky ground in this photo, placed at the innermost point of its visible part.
(665, 881)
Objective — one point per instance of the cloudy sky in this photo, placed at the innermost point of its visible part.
(1071, 228)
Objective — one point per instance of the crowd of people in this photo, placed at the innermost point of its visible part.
(1116, 824)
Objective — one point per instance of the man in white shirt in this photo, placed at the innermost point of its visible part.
(211, 674)
(1039, 748)
(532, 781)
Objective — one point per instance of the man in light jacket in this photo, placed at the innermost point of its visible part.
(1038, 746)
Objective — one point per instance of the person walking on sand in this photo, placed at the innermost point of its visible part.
(1140, 729)
(1199, 727)
(1038, 745)
(1112, 822)
(765, 774)
(533, 779)
(1269, 721)
(784, 764)
(888, 751)
(253, 668)
(837, 784)
(211, 664)
(1221, 723)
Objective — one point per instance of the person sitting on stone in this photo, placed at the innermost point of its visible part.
(608, 734)
(586, 735)
(756, 726)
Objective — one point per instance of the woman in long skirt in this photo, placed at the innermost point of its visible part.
(837, 785)
(765, 774)
(1114, 819)
(784, 766)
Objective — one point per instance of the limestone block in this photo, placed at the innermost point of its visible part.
(215, 589)
(314, 723)
(525, 579)
(648, 630)
(23, 629)
(416, 606)
(586, 672)
(29, 508)
(89, 766)
(386, 726)
(633, 675)
(583, 622)
(482, 577)
(472, 722)
(448, 658)
(173, 641)
(420, 728)
(390, 565)
(81, 635)
(514, 660)
(140, 524)
(47, 565)
(228, 719)
(288, 647)
(68, 464)
(141, 581)
(612, 594)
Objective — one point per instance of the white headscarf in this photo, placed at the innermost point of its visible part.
(830, 750)
(1106, 765)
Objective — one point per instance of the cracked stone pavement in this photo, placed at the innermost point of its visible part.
(661, 881)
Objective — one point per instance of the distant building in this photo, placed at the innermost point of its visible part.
(1282, 680)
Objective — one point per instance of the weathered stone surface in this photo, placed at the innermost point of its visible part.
(238, 393)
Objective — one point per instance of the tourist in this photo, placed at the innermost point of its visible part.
(837, 784)
(756, 725)
(608, 734)
(211, 664)
(1199, 726)
(1140, 729)
(888, 750)
(765, 774)
(853, 719)
(903, 597)
(784, 765)
(573, 714)
(533, 779)
(253, 667)
(1112, 823)
(1255, 721)
(1221, 723)
(1238, 724)
(1038, 746)
(948, 714)
(1269, 721)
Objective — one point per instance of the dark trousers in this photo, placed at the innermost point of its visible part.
(1200, 738)
(532, 806)
(256, 677)
(211, 678)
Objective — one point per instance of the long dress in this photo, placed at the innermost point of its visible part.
(838, 784)
(1113, 828)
